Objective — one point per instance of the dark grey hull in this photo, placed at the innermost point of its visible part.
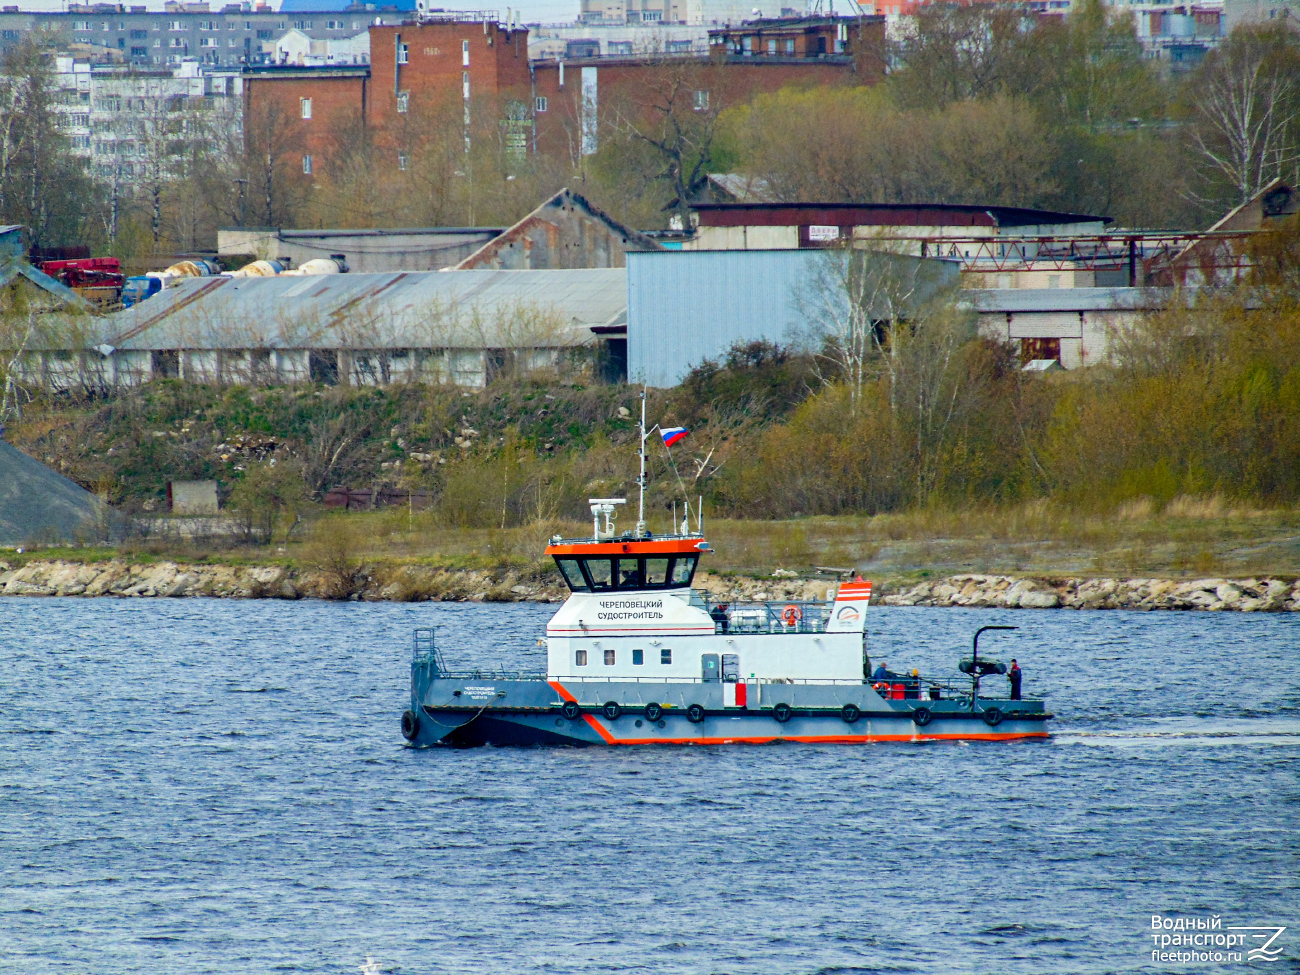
(471, 711)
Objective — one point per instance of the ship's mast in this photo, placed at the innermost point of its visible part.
(640, 512)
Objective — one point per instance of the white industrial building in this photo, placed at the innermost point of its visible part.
(460, 327)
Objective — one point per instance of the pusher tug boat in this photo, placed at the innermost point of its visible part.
(635, 656)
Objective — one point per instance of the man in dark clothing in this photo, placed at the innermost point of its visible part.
(882, 672)
(1014, 675)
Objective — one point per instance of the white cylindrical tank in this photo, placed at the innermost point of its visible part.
(318, 265)
(257, 269)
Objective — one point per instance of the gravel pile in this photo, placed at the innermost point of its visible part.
(41, 506)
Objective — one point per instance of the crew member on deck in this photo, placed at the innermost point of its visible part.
(1014, 675)
(882, 672)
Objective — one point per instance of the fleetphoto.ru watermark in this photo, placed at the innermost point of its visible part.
(1192, 940)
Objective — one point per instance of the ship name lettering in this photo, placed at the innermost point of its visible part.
(630, 616)
(631, 604)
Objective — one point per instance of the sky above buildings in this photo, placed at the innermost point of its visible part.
(533, 11)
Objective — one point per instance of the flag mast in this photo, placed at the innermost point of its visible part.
(640, 514)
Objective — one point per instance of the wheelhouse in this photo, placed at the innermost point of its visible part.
(628, 566)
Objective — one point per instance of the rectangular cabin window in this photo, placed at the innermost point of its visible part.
(656, 572)
(665, 656)
(638, 658)
(580, 658)
(572, 574)
(609, 658)
(599, 573)
(683, 570)
(629, 573)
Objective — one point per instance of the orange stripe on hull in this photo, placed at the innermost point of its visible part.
(590, 718)
(816, 739)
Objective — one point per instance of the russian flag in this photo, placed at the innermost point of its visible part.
(672, 434)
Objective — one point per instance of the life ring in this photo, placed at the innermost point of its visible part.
(572, 710)
(880, 687)
(410, 725)
(922, 717)
(850, 713)
(782, 713)
(695, 713)
(791, 615)
(612, 710)
(653, 712)
(992, 717)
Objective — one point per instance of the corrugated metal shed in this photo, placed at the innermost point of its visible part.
(453, 309)
(688, 306)
(1026, 300)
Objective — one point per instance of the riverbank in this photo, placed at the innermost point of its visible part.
(415, 583)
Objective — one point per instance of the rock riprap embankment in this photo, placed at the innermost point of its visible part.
(402, 583)
(417, 582)
(1244, 595)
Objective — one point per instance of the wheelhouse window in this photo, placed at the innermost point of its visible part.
(572, 573)
(683, 570)
(656, 572)
(598, 571)
(627, 573)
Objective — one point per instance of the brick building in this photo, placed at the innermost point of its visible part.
(547, 106)
(305, 109)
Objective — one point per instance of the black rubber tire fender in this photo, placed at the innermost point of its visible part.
(571, 710)
(695, 713)
(410, 725)
(782, 712)
(992, 717)
(653, 711)
(922, 717)
(850, 713)
(611, 710)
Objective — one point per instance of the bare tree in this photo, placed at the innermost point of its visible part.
(675, 114)
(1247, 105)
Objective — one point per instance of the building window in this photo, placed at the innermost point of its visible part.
(638, 658)
(651, 16)
(401, 161)
(464, 85)
(263, 35)
(665, 656)
(306, 165)
(333, 25)
(403, 101)
(678, 47)
(208, 42)
(302, 25)
(306, 107)
(771, 47)
(403, 53)
(580, 658)
(701, 101)
(609, 658)
(175, 25)
(617, 48)
(789, 46)
(540, 104)
(464, 54)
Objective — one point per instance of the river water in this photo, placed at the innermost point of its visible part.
(220, 786)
